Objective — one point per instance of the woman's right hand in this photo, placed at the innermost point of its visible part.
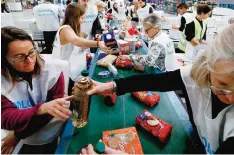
(103, 46)
(56, 108)
(101, 88)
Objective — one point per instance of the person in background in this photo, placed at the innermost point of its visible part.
(3, 6)
(100, 6)
(132, 12)
(48, 16)
(209, 89)
(185, 17)
(144, 10)
(69, 41)
(195, 32)
(68, 2)
(194, 9)
(91, 25)
(160, 50)
(32, 96)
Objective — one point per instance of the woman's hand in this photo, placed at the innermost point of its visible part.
(90, 150)
(101, 88)
(103, 46)
(98, 36)
(9, 143)
(56, 108)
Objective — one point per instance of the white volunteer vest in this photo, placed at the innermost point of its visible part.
(71, 53)
(143, 12)
(48, 16)
(170, 59)
(23, 97)
(189, 17)
(212, 132)
(121, 13)
(91, 14)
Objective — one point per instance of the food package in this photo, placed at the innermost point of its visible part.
(123, 62)
(154, 125)
(147, 97)
(123, 47)
(108, 59)
(110, 99)
(125, 140)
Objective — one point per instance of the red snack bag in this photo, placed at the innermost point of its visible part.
(110, 99)
(122, 62)
(154, 125)
(132, 30)
(146, 97)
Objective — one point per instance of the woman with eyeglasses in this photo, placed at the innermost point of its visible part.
(32, 96)
(208, 86)
(161, 52)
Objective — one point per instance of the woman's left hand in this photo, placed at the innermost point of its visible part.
(9, 143)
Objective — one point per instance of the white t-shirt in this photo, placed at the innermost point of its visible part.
(48, 16)
(91, 14)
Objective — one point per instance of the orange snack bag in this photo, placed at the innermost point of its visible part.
(125, 139)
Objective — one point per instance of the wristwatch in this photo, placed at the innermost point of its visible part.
(114, 86)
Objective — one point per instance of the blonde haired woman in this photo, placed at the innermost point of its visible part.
(209, 89)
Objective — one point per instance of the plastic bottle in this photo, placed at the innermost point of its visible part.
(81, 101)
(112, 69)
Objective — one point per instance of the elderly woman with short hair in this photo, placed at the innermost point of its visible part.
(208, 86)
(161, 48)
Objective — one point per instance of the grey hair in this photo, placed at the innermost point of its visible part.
(220, 49)
(152, 20)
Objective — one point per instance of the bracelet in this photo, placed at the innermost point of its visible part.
(114, 87)
(97, 43)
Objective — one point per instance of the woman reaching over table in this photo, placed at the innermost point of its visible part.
(69, 44)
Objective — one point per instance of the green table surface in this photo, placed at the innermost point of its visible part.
(123, 114)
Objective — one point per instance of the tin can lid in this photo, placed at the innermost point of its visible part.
(100, 147)
(85, 72)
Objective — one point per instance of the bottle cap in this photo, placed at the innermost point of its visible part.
(85, 73)
(99, 147)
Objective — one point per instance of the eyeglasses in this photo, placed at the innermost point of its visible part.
(219, 91)
(23, 57)
(147, 30)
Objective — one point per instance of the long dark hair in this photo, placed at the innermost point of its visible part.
(8, 35)
(73, 13)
